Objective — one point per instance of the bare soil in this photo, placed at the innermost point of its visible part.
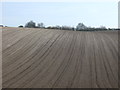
(41, 58)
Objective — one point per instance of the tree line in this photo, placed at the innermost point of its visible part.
(79, 27)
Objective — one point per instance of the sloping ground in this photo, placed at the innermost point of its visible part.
(38, 58)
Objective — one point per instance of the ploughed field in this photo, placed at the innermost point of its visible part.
(41, 58)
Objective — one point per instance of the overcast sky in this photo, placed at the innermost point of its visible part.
(61, 13)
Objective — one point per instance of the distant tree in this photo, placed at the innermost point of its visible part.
(67, 28)
(41, 25)
(73, 28)
(100, 28)
(103, 27)
(80, 26)
(1, 25)
(49, 27)
(30, 24)
(20, 26)
(58, 27)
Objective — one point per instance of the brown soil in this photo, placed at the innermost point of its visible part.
(40, 58)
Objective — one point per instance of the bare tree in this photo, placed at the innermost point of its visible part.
(80, 26)
(41, 25)
(30, 24)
